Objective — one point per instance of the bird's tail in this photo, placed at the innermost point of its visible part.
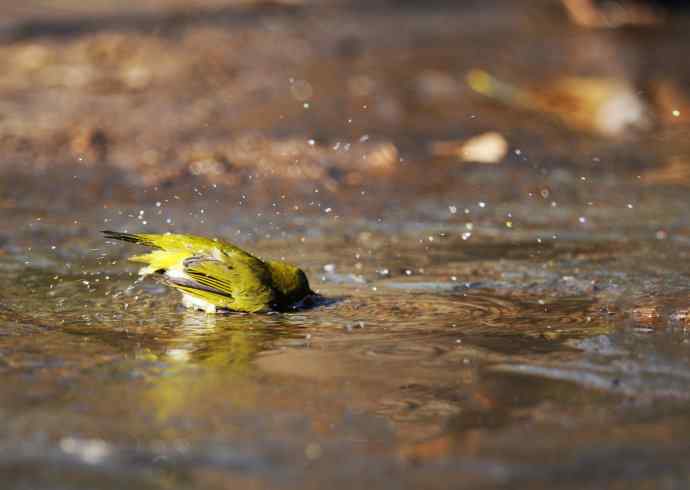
(129, 237)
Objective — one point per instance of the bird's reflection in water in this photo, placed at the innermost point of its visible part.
(210, 363)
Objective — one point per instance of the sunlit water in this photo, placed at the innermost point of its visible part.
(423, 361)
(518, 325)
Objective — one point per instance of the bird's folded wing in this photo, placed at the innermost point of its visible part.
(211, 273)
(244, 280)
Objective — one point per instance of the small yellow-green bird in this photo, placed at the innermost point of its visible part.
(214, 275)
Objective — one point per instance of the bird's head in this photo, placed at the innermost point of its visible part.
(289, 280)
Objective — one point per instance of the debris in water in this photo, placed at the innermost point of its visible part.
(608, 106)
(90, 451)
(647, 315)
(490, 147)
(590, 13)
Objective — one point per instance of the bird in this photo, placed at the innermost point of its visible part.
(217, 276)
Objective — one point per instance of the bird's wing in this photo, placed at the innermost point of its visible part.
(172, 242)
(245, 279)
(160, 260)
(132, 238)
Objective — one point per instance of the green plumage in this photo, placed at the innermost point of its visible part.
(216, 275)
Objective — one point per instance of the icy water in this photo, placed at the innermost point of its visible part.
(514, 325)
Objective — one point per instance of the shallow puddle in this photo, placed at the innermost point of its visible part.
(416, 362)
(521, 324)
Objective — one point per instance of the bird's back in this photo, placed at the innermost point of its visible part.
(218, 274)
(209, 270)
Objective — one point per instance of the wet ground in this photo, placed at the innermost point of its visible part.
(512, 325)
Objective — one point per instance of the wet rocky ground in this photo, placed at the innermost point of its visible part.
(518, 324)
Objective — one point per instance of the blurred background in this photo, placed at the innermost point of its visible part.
(130, 95)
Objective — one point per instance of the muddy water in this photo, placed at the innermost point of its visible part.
(499, 359)
(518, 325)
